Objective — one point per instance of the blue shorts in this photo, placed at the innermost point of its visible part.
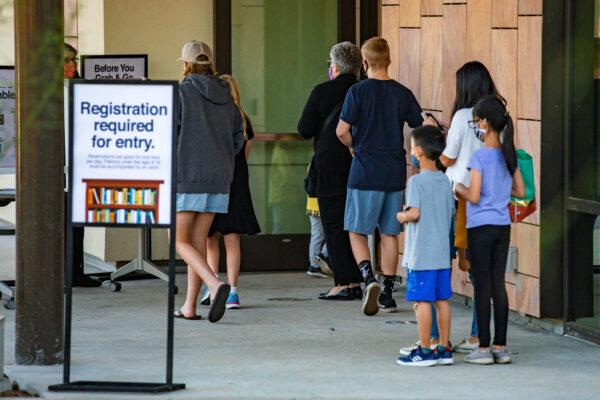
(370, 209)
(203, 202)
(428, 285)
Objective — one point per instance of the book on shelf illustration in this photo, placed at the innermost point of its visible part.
(121, 196)
(122, 201)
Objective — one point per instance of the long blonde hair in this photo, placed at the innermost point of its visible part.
(235, 93)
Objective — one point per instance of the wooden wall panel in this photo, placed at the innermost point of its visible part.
(504, 13)
(432, 7)
(528, 295)
(410, 13)
(389, 29)
(529, 138)
(431, 62)
(527, 239)
(454, 53)
(479, 31)
(390, 2)
(504, 65)
(530, 67)
(409, 46)
(511, 291)
(530, 7)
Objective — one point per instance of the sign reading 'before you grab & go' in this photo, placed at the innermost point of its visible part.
(114, 66)
(122, 152)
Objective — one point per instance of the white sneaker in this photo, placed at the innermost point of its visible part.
(465, 347)
(205, 300)
(405, 351)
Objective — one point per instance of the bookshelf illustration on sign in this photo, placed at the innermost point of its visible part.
(113, 201)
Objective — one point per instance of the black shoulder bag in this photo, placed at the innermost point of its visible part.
(310, 181)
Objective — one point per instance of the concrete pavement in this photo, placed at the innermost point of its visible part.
(287, 344)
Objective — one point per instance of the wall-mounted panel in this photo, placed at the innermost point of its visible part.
(527, 239)
(504, 65)
(530, 67)
(504, 13)
(409, 46)
(479, 31)
(530, 7)
(432, 7)
(431, 62)
(455, 51)
(528, 295)
(410, 13)
(389, 30)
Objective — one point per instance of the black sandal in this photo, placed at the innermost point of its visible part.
(179, 314)
(217, 304)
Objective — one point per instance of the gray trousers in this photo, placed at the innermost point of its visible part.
(317, 239)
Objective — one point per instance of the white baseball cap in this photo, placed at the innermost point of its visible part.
(194, 49)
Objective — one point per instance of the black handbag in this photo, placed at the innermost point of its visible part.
(310, 181)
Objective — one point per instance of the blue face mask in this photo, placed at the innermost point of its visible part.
(415, 162)
(480, 133)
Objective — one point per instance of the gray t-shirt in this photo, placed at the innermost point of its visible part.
(427, 241)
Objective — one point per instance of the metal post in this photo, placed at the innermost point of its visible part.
(40, 188)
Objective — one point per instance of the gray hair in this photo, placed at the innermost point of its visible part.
(347, 57)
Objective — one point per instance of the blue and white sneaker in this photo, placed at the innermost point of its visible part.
(444, 356)
(417, 358)
(233, 301)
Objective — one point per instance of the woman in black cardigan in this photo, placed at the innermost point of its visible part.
(332, 164)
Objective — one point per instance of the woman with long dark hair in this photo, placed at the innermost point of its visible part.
(494, 178)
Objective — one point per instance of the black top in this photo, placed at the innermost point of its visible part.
(332, 158)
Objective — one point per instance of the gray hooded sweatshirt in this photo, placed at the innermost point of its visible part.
(211, 134)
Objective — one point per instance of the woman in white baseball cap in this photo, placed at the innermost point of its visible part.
(211, 133)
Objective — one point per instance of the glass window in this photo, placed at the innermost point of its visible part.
(591, 307)
(279, 52)
(585, 100)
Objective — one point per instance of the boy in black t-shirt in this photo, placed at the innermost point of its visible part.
(376, 109)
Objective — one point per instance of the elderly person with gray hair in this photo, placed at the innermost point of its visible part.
(332, 165)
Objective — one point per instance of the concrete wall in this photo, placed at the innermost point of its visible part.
(429, 41)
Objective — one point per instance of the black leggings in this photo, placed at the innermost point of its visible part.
(343, 265)
(488, 250)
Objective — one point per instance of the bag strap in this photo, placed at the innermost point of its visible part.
(332, 115)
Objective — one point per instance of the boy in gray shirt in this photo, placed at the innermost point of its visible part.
(428, 214)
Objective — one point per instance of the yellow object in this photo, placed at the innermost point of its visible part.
(312, 207)
(460, 230)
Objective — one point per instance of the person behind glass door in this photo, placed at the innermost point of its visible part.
(494, 177)
(240, 217)
(332, 165)
(79, 277)
(211, 133)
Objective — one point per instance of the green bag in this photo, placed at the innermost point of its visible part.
(526, 166)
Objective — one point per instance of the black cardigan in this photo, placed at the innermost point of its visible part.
(332, 158)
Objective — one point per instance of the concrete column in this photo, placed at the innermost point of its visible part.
(40, 196)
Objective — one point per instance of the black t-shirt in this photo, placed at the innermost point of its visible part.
(377, 111)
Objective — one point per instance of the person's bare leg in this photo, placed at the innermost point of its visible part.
(389, 254)
(234, 257)
(191, 227)
(213, 253)
(360, 247)
(423, 311)
(444, 316)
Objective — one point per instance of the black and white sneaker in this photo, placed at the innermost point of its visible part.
(315, 272)
(372, 289)
(385, 301)
(323, 262)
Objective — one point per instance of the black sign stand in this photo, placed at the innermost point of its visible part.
(118, 386)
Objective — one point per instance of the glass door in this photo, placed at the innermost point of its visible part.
(583, 171)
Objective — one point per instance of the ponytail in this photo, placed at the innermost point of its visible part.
(493, 110)
(508, 146)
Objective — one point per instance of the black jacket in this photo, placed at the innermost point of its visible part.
(332, 158)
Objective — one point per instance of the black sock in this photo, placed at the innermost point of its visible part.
(365, 269)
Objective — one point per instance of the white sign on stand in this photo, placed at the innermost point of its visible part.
(8, 136)
(122, 142)
(114, 66)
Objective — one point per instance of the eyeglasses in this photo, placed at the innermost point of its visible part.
(329, 62)
(71, 59)
(473, 123)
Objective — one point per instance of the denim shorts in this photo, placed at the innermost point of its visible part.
(370, 209)
(428, 285)
(203, 202)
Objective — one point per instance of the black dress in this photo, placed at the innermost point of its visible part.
(240, 217)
